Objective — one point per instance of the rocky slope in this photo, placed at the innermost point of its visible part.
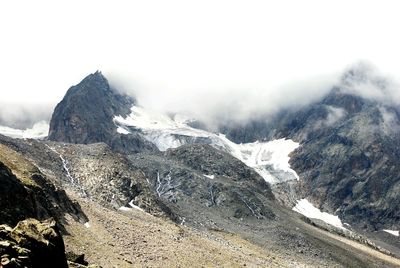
(199, 180)
(106, 177)
(139, 239)
(27, 193)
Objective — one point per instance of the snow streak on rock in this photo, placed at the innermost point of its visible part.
(73, 181)
(134, 206)
(65, 164)
(269, 159)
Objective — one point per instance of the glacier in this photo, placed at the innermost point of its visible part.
(270, 159)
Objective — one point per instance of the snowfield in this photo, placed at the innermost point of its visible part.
(269, 159)
(307, 209)
(38, 131)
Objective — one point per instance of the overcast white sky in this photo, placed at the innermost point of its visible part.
(189, 48)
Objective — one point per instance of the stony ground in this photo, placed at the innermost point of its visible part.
(135, 238)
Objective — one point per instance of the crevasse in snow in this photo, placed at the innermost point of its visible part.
(269, 159)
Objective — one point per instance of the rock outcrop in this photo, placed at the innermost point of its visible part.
(32, 244)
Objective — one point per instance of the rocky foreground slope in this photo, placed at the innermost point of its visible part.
(225, 233)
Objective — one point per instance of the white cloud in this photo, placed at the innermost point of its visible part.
(238, 54)
(334, 114)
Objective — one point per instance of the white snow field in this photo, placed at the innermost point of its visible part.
(38, 131)
(304, 207)
(267, 158)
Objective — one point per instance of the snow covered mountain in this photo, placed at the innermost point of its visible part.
(149, 131)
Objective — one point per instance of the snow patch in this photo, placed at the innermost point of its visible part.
(211, 177)
(392, 232)
(38, 131)
(307, 209)
(122, 131)
(64, 163)
(87, 224)
(265, 157)
(269, 159)
(134, 206)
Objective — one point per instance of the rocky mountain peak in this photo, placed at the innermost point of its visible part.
(86, 113)
(90, 84)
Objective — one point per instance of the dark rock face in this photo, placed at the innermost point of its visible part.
(11, 190)
(348, 158)
(32, 244)
(86, 113)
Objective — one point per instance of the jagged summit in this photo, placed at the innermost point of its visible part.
(92, 82)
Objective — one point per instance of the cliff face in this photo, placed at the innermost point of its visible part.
(85, 115)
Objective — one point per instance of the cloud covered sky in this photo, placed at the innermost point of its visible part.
(200, 55)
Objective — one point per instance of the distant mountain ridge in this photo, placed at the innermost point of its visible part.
(349, 153)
